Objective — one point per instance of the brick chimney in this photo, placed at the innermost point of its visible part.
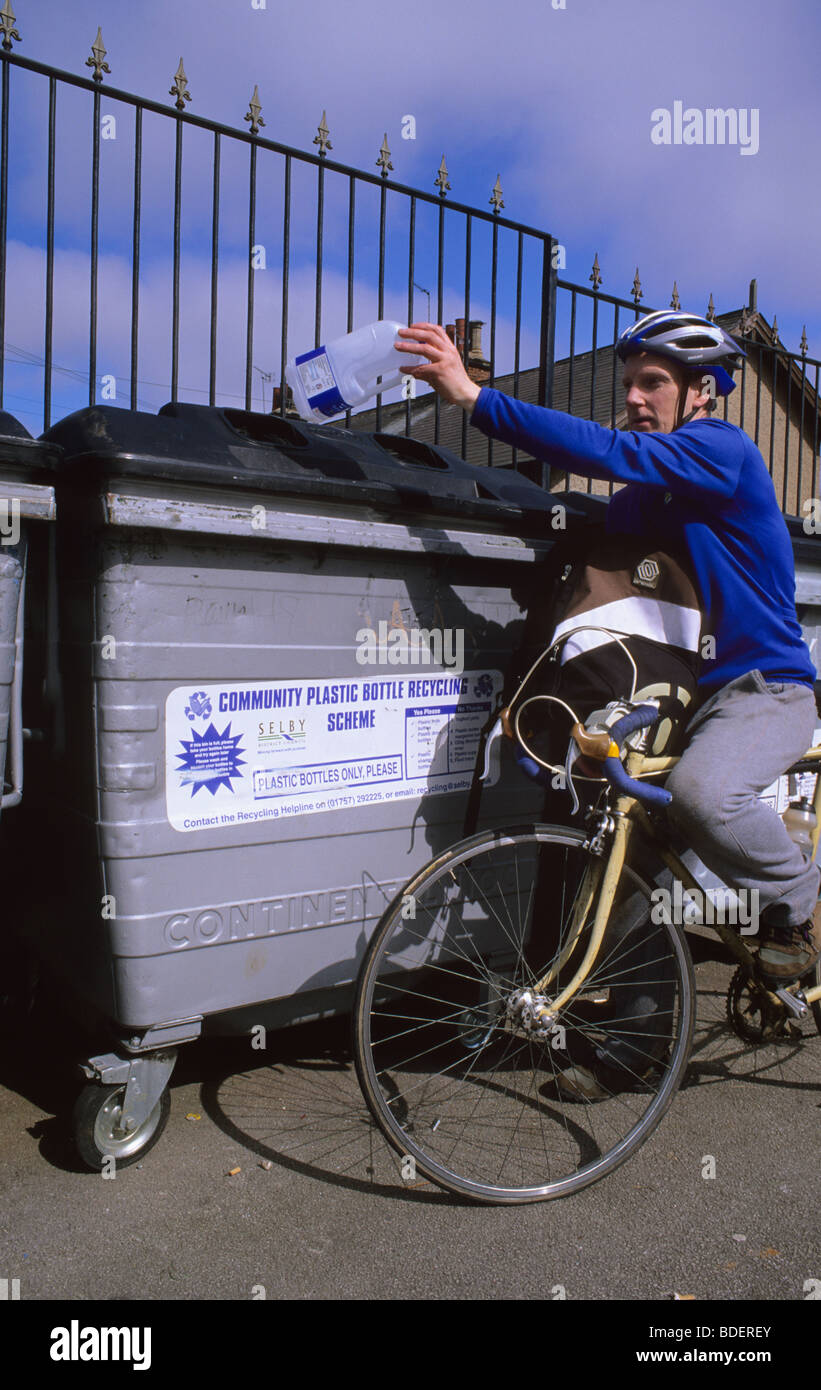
(478, 364)
(290, 409)
(478, 368)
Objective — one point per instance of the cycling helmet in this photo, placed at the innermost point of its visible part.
(695, 343)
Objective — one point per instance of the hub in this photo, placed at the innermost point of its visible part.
(531, 1012)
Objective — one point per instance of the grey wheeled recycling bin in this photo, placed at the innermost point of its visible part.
(258, 752)
(26, 502)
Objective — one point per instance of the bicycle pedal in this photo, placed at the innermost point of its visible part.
(795, 1004)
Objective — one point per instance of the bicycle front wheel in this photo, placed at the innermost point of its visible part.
(479, 1095)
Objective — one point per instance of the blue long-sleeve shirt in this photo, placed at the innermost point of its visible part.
(704, 488)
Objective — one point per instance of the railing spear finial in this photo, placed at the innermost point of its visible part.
(97, 60)
(322, 137)
(675, 302)
(252, 114)
(596, 276)
(7, 21)
(636, 291)
(384, 160)
(711, 309)
(441, 180)
(803, 346)
(180, 88)
(496, 196)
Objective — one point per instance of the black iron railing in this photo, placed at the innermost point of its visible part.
(397, 248)
(343, 246)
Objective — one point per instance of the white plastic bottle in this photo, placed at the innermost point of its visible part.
(800, 821)
(341, 375)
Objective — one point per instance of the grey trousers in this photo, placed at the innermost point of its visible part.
(739, 741)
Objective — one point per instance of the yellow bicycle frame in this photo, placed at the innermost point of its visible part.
(602, 879)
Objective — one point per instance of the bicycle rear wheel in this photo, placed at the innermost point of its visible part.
(447, 1058)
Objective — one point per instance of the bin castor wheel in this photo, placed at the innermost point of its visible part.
(97, 1133)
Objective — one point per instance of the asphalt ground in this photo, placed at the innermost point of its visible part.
(317, 1208)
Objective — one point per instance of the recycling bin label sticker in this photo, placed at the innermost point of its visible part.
(260, 750)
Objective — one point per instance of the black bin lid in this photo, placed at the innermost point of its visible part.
(806, 544)
(247, 449)
(19, 449)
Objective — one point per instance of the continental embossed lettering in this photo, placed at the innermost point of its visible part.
(275, 916)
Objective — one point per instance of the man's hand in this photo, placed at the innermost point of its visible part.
(446, 373)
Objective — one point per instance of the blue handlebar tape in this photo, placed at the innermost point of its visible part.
(631, 786)
(639, 718)
(531, 767)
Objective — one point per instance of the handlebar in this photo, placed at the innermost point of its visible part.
(639, 718)
(530, 767)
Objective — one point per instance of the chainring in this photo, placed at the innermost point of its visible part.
(751, 1014)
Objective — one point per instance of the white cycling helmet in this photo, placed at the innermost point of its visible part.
(688, 339)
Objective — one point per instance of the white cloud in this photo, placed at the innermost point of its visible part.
(25, 318)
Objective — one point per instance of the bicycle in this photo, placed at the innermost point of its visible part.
(501, 967)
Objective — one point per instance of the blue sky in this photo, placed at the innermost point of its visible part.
(558, 101)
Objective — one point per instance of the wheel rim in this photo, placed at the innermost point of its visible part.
(467, 1093)
(110, 1139)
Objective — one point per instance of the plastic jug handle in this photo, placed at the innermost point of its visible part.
(388, 381)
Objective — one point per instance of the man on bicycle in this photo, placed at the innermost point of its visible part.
(697, 483)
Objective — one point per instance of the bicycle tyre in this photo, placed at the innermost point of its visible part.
(451, 1082)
